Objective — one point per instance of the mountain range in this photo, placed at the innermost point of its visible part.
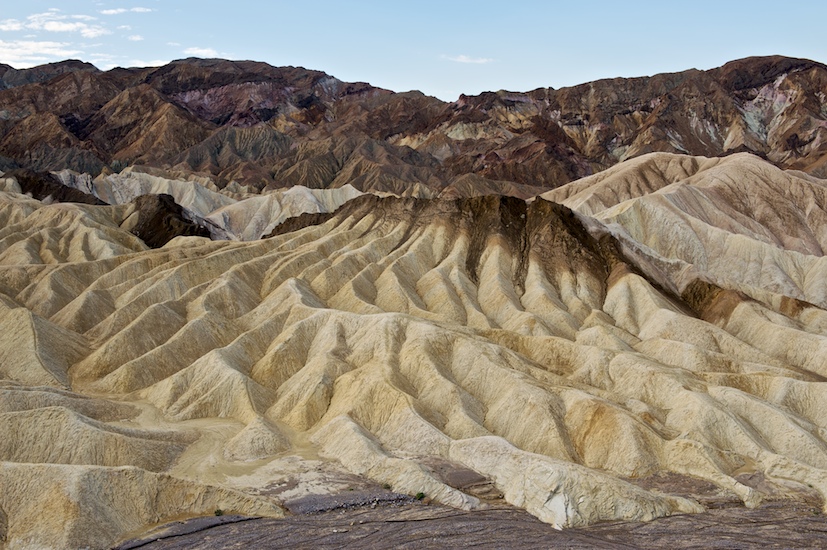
(268, 127)
(227, 287)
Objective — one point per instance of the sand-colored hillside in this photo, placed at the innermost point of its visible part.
(554, 355)
(737, 221)
(226, 215)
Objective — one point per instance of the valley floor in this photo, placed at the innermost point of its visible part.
(366, 516)
(780, 524)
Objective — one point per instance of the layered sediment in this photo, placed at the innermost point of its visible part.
(555, 352)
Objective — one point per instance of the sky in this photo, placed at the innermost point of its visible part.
(443, 48)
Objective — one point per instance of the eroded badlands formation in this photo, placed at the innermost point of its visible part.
(668, 315)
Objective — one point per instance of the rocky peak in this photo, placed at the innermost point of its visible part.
(11, 77)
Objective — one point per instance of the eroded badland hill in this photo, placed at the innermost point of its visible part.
(230, 288)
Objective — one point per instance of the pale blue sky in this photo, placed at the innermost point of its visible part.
(443, 48)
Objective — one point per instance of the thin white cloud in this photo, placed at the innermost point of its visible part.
(468, 59)
(118, 11)
(37, 20)
(173, 44)
(28, 53)
(124, 27)
(63, 26)
(135, 38)
(103, 61)
(94, 32)
(152, 63)
(11, 25)
(54, 21)
(201, 52)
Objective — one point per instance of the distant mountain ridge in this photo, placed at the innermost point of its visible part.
(12, 78)
(271, 127)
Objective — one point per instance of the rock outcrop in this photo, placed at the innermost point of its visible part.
(46, 187)
(157, 219)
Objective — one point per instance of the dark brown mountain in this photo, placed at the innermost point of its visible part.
(46, 187)
(273, 127)
(11, 77)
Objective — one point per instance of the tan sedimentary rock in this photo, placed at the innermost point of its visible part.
(228, 215)
(678, 328)
(260, 439)
(738, 220)
(57, 506)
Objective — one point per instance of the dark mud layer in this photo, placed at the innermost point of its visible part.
(44, 186)
(774, 525)
(371, 518)
(161, 219)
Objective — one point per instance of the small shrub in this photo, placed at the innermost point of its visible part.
(219, 512)
(386, 486)
(420, 495)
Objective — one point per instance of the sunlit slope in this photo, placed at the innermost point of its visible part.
(738, 220)
(522, 341)
(226, 214)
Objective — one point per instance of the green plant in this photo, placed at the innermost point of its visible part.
(420, 495)
(219, 512)
(386, 486)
